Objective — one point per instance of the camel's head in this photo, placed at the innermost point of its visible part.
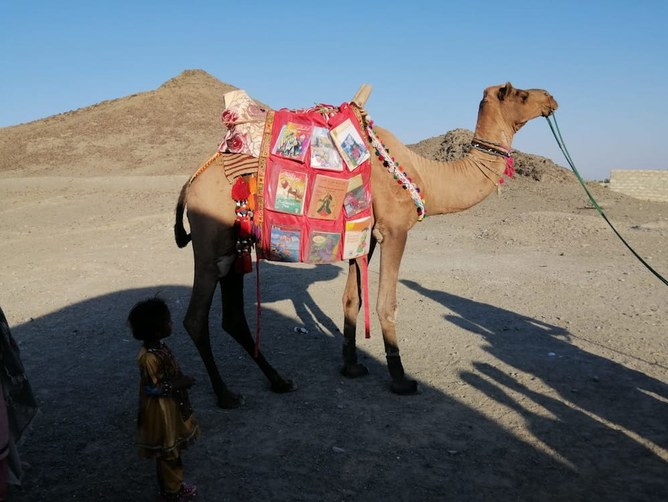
(517, 106)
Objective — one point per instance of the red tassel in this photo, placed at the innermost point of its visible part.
(244, 263)
(510, 167)
(364, 264)
(245, 228)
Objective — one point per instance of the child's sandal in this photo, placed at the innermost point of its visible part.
(187, 491)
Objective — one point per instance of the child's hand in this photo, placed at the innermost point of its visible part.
(183, 382)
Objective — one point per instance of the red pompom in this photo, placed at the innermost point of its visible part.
(240, 189)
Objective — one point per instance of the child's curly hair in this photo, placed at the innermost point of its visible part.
(150, 319)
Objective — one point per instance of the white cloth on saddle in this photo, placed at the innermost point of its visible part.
(244, 120)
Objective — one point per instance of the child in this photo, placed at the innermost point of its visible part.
(166, 422)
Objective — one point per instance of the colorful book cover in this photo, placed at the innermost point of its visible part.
(357, 197)
(350, 145)
(327, 197)
(357, 238)
(293, 141)
(290, 189)
(324, 154)
(323, 247)
(284, 244)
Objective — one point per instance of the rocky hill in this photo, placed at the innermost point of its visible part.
(457, 143)
(171, 130)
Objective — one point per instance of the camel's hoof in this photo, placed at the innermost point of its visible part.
(283, 386)
(230, 401)
(354, 370)
(404, 387)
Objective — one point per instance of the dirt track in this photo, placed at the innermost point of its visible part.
(538, 340)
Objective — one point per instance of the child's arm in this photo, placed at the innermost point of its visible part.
(153, 376)
(167, 388)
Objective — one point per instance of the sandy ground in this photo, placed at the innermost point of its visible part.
(539, 341)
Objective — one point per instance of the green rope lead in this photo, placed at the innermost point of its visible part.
(562, 146)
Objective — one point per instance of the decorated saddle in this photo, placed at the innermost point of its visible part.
(301, 180)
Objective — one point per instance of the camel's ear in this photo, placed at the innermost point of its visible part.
(504, 91)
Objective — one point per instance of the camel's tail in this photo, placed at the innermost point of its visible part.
(180, 235)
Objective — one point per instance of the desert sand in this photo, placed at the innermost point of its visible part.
(538, 340)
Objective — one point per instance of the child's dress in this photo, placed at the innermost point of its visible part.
(166, 422)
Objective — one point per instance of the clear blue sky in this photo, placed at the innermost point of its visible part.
(606, 62)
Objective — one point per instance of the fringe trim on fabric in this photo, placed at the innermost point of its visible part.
(239, 164)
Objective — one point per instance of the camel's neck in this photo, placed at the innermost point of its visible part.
(492, 130)
(450, 187)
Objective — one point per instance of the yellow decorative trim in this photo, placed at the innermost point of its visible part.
(204, 167)
(262, 167)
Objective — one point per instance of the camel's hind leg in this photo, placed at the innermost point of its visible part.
(196, 323)
(352, 303)
(235, 323)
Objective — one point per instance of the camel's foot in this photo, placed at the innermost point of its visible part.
(404, 387)
(283, 386)
(354, 370)
(230, 400)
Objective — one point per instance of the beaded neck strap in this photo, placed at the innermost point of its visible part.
(395, 169)
(499, 151)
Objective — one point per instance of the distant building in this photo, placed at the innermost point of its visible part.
(646, 184)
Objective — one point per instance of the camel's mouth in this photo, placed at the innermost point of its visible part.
(551, 107)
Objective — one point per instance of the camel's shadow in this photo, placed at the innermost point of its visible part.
(352, 439)
(593, 402)
(277, 284)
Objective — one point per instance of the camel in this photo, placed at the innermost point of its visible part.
(447, 187)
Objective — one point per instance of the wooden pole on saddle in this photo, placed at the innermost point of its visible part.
(362, 95)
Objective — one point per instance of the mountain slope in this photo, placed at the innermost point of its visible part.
(166, 131)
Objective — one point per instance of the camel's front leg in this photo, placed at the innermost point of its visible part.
(234, 322)
(391, 251)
